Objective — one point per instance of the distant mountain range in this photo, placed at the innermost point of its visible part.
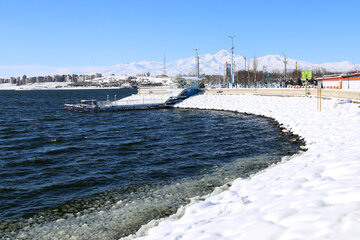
(209, 64)
(214, 64)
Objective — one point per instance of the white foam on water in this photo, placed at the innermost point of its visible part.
(135, 208)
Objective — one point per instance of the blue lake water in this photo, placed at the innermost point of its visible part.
(104, 175)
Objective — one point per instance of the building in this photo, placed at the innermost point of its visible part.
(59, 78)
(18, 81)
(40, 79)
(32, 80)
(48, 79)
(342, 81)
(74, 78)
(188, 81)
(68, 78)
(81, 78)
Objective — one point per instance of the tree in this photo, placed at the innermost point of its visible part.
(255, 66)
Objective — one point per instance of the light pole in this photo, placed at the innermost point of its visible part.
(232, 59)
(197, 71)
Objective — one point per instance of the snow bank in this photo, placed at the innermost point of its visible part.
(314, 195)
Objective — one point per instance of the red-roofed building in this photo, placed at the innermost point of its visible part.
(342, 81)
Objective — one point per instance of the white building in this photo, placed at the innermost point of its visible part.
(346, 81)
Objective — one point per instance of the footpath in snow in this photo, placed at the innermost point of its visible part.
(314, 195)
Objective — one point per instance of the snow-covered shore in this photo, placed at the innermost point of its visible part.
(314, 195)
(36, 86)
(47, 86)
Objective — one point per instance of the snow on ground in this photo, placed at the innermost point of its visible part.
(314, 195)
(43, 86)
(166, 81)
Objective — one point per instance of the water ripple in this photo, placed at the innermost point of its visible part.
(60, 170)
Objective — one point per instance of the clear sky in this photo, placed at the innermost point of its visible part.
(107, 32)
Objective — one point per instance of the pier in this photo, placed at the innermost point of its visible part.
(144, 99)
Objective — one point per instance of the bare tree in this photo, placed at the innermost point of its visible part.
(248, 72)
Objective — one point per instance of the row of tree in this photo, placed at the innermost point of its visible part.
(255, 78)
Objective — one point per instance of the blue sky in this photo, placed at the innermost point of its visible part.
(107, 32)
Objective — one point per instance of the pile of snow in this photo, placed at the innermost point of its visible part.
(314, 195)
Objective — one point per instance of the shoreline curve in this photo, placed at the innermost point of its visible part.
(316, 195)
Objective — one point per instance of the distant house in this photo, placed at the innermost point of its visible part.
(188, 81)
(342, 81)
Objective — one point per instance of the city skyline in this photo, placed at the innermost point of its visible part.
(94, 33)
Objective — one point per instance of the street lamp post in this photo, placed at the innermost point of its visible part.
(197, 71)
(285, 61)
(232, 60)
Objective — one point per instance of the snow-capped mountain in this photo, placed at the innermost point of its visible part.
(209, 64)
(214, 64)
